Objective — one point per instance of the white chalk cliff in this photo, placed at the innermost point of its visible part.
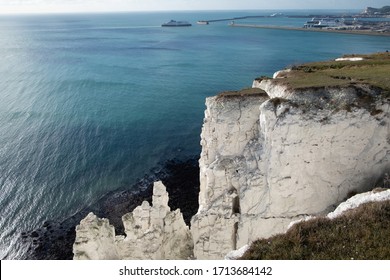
(152, 232)
(267, 160)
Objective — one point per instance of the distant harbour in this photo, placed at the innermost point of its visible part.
(363, 24)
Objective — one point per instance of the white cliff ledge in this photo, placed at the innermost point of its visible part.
(268, 157)
(299, 151)
(263, 166)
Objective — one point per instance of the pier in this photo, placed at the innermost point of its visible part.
(228, 19)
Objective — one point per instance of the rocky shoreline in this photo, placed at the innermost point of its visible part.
(54, 240)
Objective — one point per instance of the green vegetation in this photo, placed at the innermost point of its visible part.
(243, 92)
(373, 70)
(361, 233)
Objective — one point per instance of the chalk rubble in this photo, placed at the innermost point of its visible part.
(152, 232)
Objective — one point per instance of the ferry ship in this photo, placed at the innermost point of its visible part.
(174, 23)
(322, 23)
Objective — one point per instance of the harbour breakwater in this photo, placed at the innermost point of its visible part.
(363, 24)
(340, 31)
(352, 16)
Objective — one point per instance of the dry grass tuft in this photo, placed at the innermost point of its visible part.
(373, 70)
(362, 233)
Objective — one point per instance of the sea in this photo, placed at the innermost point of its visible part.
(90, 103)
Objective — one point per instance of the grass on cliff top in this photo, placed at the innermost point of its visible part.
(361, 233)
(373, 70)
(243, 92)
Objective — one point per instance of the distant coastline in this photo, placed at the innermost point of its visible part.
(345, 23)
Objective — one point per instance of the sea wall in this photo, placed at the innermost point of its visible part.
(268, 160)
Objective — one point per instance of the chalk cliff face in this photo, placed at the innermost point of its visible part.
(268, 160)
(95, 240)
(152, 232)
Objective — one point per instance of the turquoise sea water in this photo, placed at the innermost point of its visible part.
(91, 102)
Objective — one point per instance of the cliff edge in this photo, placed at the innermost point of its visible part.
(319, 134)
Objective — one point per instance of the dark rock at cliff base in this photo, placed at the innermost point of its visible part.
(54, 240)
